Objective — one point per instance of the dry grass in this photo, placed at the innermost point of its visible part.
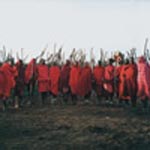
(74, 128)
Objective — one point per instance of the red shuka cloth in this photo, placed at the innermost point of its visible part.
(64, 78)
(74, 77)
(85, 81)
(128, 85)
(9, 75)
(43, 78)
(109, 78)
(30, 70)
(98, 74)
(143, 80)
(117, 76)
(3, 81)
(54, 75)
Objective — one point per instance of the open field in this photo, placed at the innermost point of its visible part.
(74, 128)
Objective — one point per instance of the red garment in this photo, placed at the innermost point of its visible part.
(128, 86)
(143, 80)
(85, 81)
(54, 74)
(109, 78)
(74, 77)
(30, 70)
(118, 71)
(98, 75)
(64, 78)
(43, 78)
(9, 73)
(117, 77)
(19, 79)
(3, 81)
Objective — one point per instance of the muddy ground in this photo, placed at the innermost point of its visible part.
(67, 127)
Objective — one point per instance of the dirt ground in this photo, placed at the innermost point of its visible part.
(69, 127)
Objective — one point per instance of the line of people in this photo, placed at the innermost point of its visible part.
(128, 81)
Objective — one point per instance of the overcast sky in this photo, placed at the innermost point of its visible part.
(108, 24)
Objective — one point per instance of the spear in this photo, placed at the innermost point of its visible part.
(17, 56)
(21, 53)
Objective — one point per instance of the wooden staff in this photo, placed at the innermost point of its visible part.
(55, 45)
(77, 55)
(148, 54)
(17, 56)
(4, 53)
(47, 55)
(92, 61)
(54, 53)
(49, 59)
(102, 55)
(1, 54)
(83, 57)
(145, 47)
(105, 54)
(128, 54)
(80, 56)
(133, 53)
(59, 56)
(11, 52)
(63, 58)
(25, 58)
(22, 53)
(42, 53)
(72, 55)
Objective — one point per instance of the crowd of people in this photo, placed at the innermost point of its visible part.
(126, 79)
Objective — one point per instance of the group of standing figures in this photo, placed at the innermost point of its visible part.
(129, 81)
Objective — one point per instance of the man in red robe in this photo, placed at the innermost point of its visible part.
(64, 81)
(118, 68)
(30, 70)
(143, 81)
(54, 76)
(128, 86)
(85, 82)
(43, 79)
(9, 76)
(73, 81)
(109, 80)
(3, 82)
(98, 75)
(20, 83)
(31, 78)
